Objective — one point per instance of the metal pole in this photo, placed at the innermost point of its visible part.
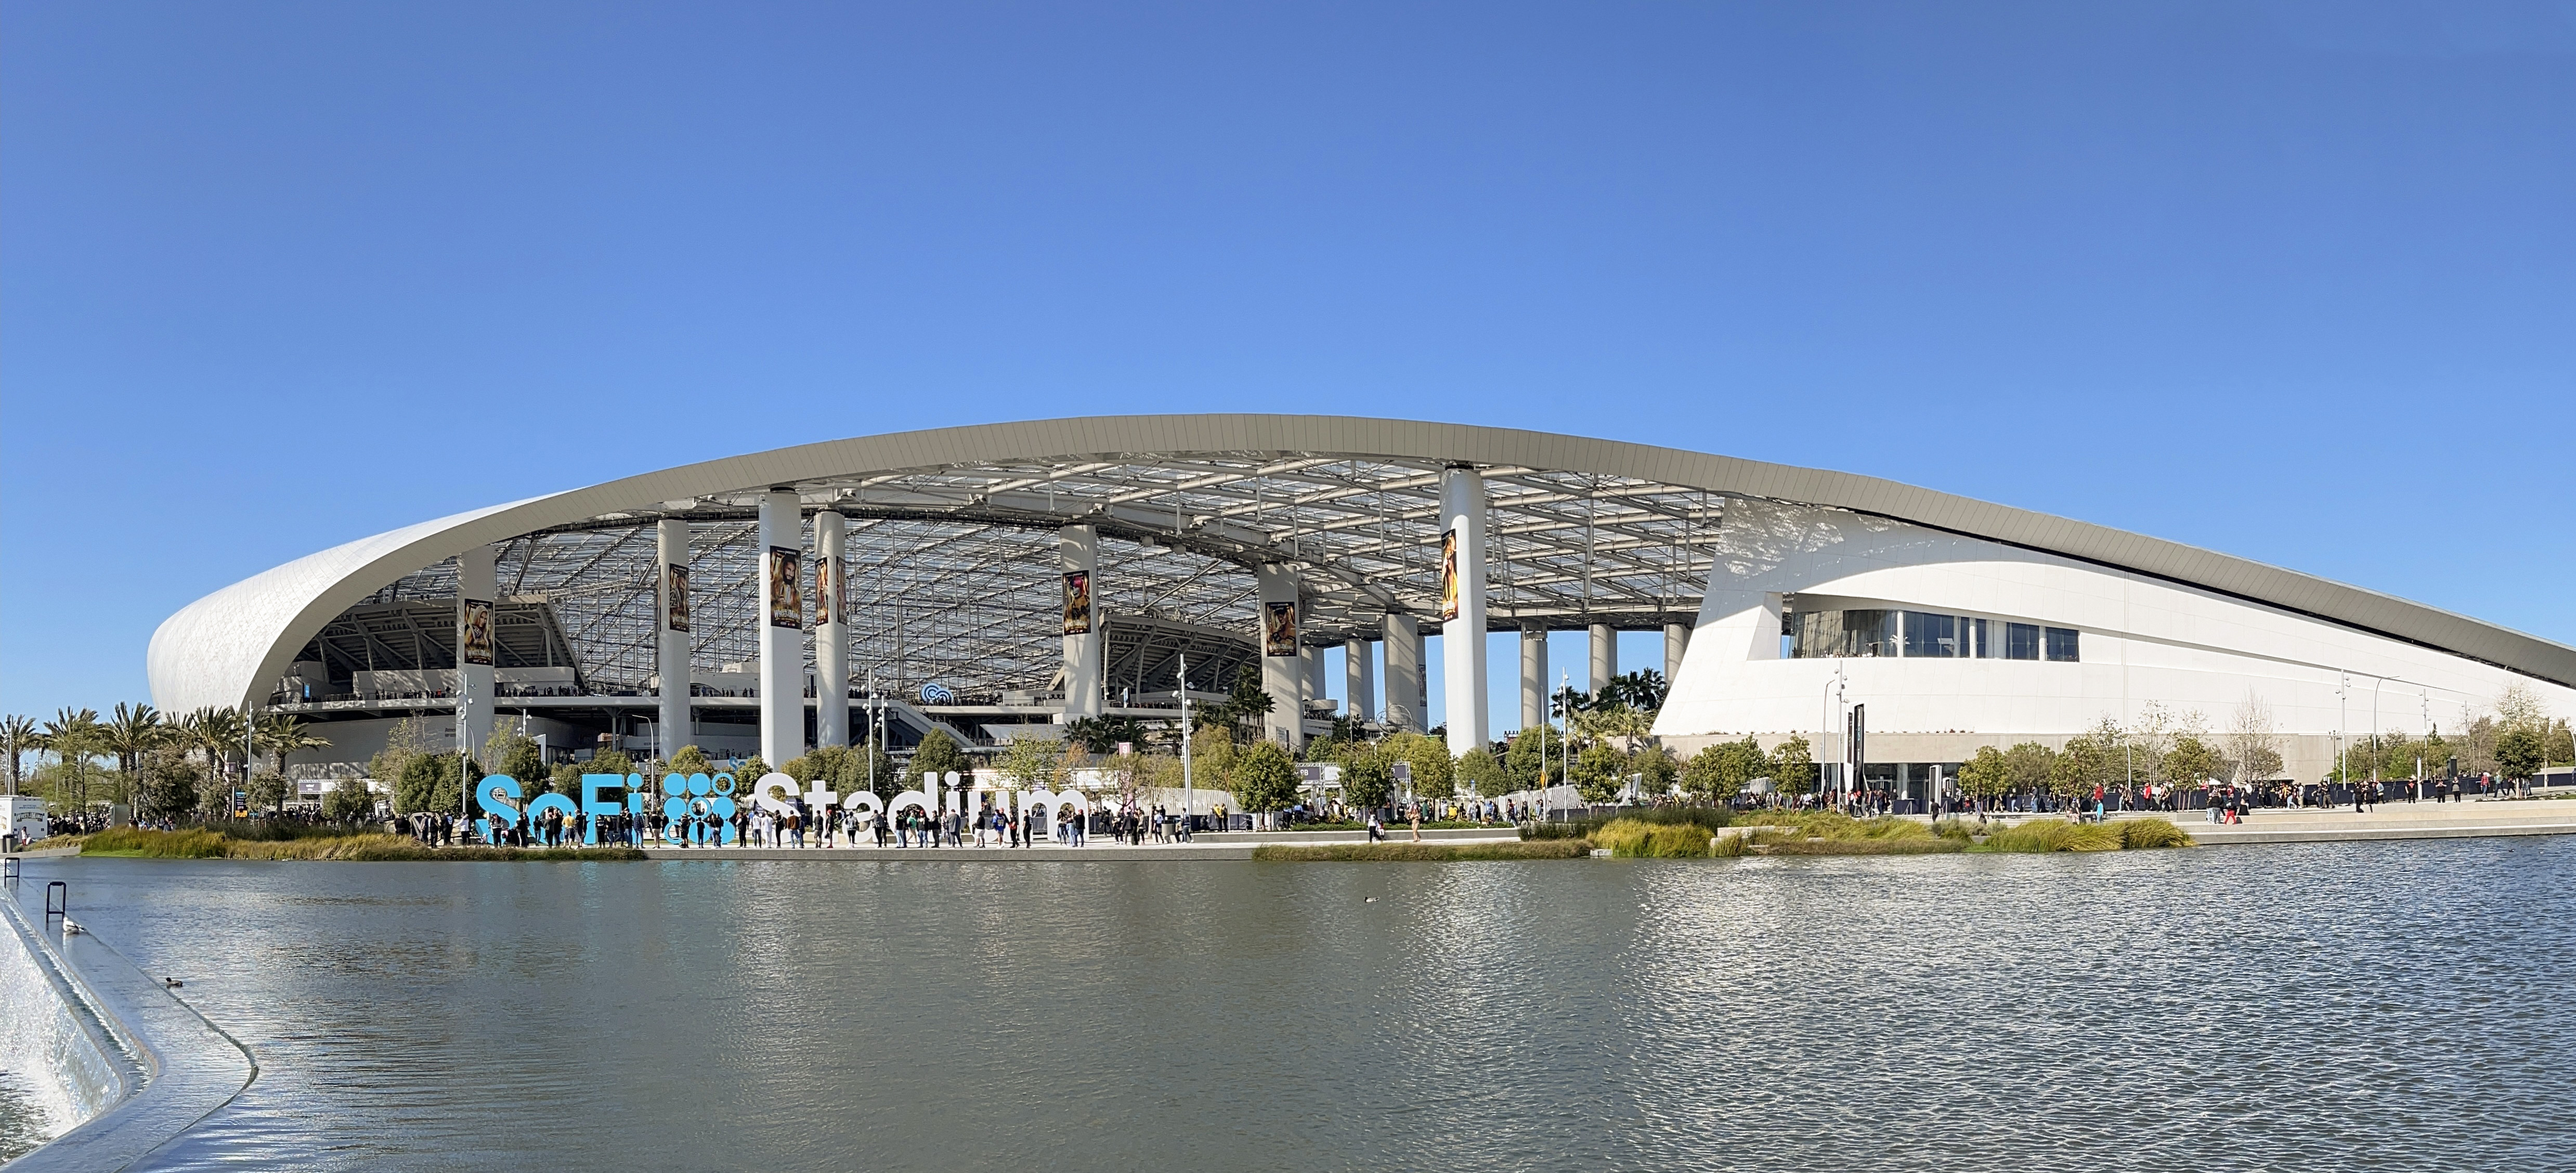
(1189, 790)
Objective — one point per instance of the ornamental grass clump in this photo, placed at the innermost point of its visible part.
(2045, 835)
(134, 841)
(1833, 833)
(1639, 839)
(2148, 833)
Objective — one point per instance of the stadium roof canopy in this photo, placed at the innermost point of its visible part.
(952, 567)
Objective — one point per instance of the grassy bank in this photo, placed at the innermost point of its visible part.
(1436, 852)
(369, 848)
(1828, 833)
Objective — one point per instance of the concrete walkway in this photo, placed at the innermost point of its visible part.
(2395, 820)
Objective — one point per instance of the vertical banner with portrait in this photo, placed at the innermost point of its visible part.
(786, 596)
(827, 590)
(675, 597)
(1279, 629)
(474, 640)
(1448, 575)
(1077, 602)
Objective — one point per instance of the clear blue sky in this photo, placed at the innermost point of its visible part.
(2293, 282)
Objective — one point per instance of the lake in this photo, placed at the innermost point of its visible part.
(2328, 1006)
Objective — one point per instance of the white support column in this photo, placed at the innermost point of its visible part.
(781, 623)
(1359, 679)
(1282, 674)
(671, 657)
(1079, 548)
(1462, 646)
(1533, 675)
(1605, 655)
(1310, 662)
(1677, 641)
(476, 593)
(1403, 643)
(831, 630)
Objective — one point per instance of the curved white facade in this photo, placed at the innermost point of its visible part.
(2143, 640)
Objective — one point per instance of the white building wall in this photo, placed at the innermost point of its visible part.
(2143, 640)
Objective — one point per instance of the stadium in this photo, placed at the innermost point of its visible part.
(999, 581)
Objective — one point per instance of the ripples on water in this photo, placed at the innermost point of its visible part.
(2360, 1006)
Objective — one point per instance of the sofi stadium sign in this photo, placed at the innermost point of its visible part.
(700, 808)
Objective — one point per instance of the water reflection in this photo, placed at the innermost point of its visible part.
(2343, 1006)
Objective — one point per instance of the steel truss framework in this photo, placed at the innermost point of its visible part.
(953, 573)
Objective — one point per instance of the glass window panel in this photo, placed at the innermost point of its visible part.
(2021, 641)
(1972, 637)
(1869, 633)
(2061, 644)
(1927, 634)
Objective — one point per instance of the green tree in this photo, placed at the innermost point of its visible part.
(281, 734)
(520, 759)
(1599, 772)
(2027, 768)
(937, 754)
(2518, 753)
(1265, 777)
(1102, 735)
(1533, 766)
(73, 736)
(1032, 763)
(2192, 761)
(268, 791)
(1249, 702)
(1793, 766)
(1482, 775)
(430, 783)
(690, 760)
(348, 802)
(2078, 767)
(1721, 771)
(129, 733)
(1434, 775)
(17, 735)
(565, 778)
(1655, 769)
(166, 784)
(1367, 782)
(1986, 776)
(606, 761)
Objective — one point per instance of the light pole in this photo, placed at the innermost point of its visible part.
(2343, 717)
(1832, 702)
(1565, 689)
(1189, 789)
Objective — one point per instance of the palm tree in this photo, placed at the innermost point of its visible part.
(281, 734)
(217, 732)
(21, 736)
(73, 735)
(133, 731)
